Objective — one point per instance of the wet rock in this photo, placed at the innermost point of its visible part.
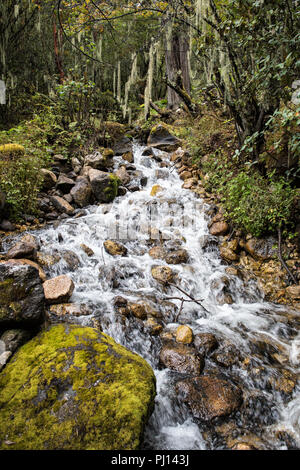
(58, 289)
(120, 301)
(153, 327)
(30, 263)
(82, 192)
(62, 205)
(99, 161)
(209, 397)
(104, 185)
(87, 249)
(64, 184)
(205, 343)
(137, 310)
(155, 190)
(47, 260)
(184, 334)
(71, 259)
(224, 298)
(122, 174)
(67, 309)
(284, 381)
(21, 295)
(228, 253)
(25, 248)
(50, 179)
(226, 355)
(162, 274)
(122, 191)
(181, 358)
(122, 146)
(69, 380)
(13, 339)
(157, 252)
(115, 248)
(177, 257)
(161, 138)
(219, 228)
(261, 249)
(293, 292)
(128, 156)
(148, 152)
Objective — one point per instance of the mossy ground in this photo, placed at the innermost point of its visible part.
(75, 388)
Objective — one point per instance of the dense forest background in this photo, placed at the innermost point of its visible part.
(223, 73)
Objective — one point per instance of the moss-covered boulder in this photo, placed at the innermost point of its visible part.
(73, 387)
(104, 185)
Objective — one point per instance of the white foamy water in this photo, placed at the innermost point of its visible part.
(179, 216)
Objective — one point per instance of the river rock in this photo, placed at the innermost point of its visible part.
(15, 338)
(25, 248)
(161, 138)
(81, 192)
(115, 248)
(99, 160)
(177, 257)
(79, 390)
(293, 291)
(123, 175)
(62, 205)
(181, 358)
(50, 179)
(261, 249)
(67, 309)
(219, 228)
(226, 355)
(157, 252)
(64, 184)
(184, 334)
(122, 146)
(58, 289)
(205, 343)
(104, 185)
(128, 157)
(209, 397)
(137, 310)
(71, 259)
(21, 295)
(155, 190)
(162, 274)
(87, 249)
(31, 263)
(153, 327)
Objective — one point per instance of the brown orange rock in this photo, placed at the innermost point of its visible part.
(219, 228)
(184, 334)
(58, 290)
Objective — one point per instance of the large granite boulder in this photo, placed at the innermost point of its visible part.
(74, 388)
(21, 295)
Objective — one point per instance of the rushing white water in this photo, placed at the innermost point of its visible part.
(179, 216)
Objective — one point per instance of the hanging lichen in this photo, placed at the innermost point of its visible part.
(148, 89)
(119, 82)
(131, 80)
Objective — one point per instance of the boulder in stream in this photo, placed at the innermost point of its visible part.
(21, 295)
(181, 358)
(58, 289)
(75, 388)
(209, 397)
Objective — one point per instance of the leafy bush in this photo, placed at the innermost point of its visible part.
(254, 203)
(21, 180)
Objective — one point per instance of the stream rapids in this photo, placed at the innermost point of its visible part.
(268, 416)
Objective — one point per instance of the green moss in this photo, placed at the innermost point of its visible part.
(111, 191)
(75, 388)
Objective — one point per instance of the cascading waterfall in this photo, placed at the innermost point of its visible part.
(177, 215)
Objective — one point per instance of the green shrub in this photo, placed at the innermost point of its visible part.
(258, 205)
(21, 180)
